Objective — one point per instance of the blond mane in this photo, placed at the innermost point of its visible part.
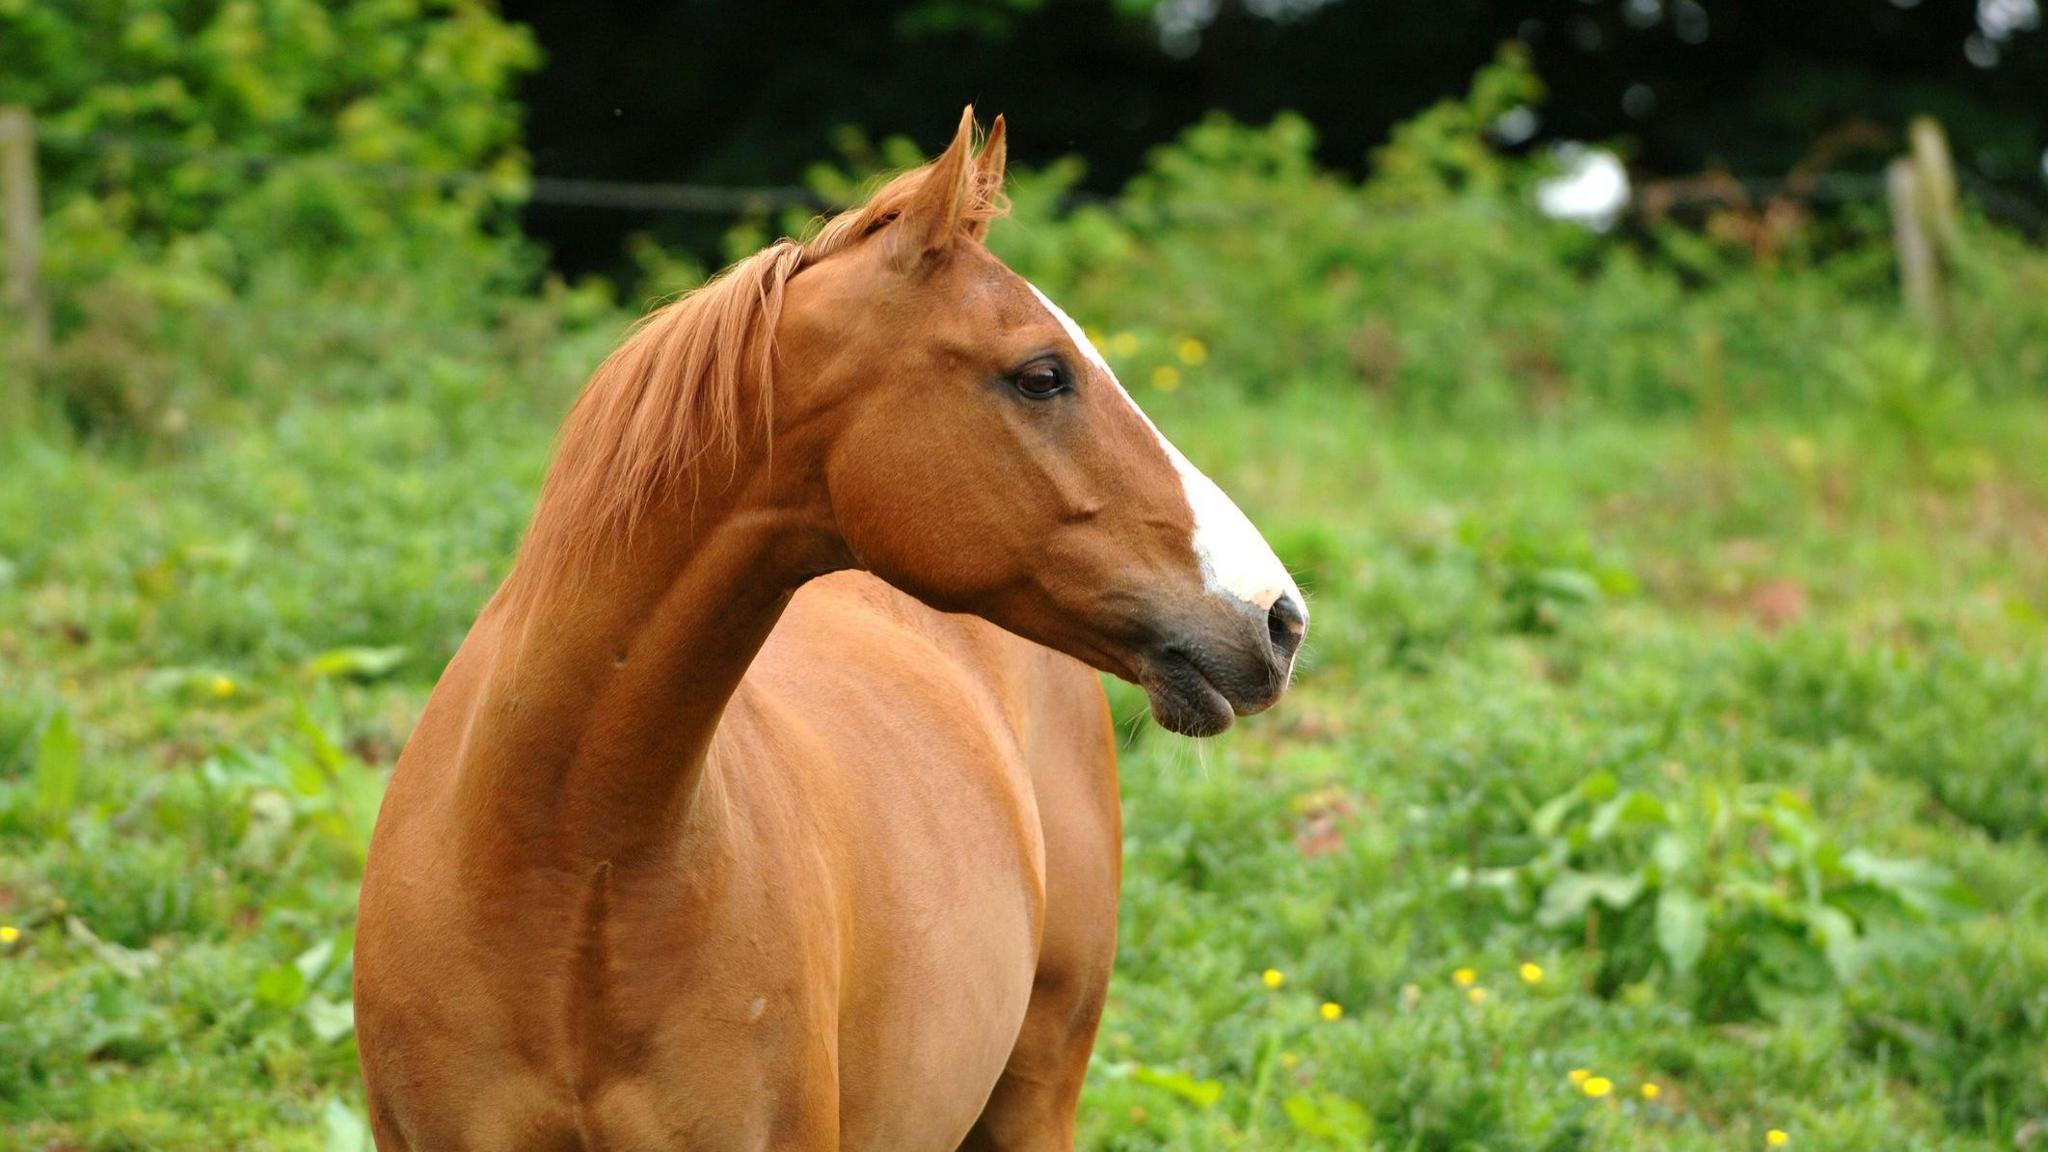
(673, 394)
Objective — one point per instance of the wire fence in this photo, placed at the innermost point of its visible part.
(1830, 188)
(743, 200)
(560, 191)
(1919, 190)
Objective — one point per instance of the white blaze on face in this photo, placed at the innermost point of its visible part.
(1235, 560)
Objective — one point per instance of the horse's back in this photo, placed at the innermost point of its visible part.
(970, 781)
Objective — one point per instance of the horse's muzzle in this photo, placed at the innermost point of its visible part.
(1201, 680)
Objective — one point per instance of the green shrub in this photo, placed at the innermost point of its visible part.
(135, 96)
(1741, 895)
(197, 151)
(1438, 286)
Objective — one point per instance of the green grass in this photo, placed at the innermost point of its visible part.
(1790, 644)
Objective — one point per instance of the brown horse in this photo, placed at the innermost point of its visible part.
(699, 845)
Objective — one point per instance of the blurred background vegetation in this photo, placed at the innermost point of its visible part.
(1669, 768)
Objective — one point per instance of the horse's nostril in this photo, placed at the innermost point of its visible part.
(1284, 623)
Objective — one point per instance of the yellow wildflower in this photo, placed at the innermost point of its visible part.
(1191, 351)
(1777, 1138)
(1289, 1060)
(1532, 973)
(1651, 1091)
(1476, 995)
(1332, 1010)
(1597, 1086)
(1577, 1075)
(9, 933)
(221, 687)
(1464, 977)
(1273, 977)
(1094, 337)
(1123, 344)
(1166, 378)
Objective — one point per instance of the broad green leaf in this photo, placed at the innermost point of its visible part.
(1836, 934)
(327, 755)
(1789, 957)
(1568, 586)
(1330, 1116)
(356, 663)
(346, 1131)
(195, 684)
(282, 986)
(1550, 817)
(1681, 929)
(57, 769)
(313, 961)
(1200, 1093)
(1599, 786)
(234, 554)
(1630, 809)
(1503, 883)
(1568, 896)
(1673, 854)
(330, 1019)
(132, 963)
(1919, 885)
(1778, 1000)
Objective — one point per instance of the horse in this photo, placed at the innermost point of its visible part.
(771, 801)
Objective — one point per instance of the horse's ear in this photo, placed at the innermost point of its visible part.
(988, 177)
(933, 215)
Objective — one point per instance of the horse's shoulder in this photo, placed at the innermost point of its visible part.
(868, 621)
(854, 632)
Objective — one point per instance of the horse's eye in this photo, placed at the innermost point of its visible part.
(1040, 381)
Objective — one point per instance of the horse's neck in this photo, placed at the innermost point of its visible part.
(599, 690)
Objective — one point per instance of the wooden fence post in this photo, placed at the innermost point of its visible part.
(1936, 171)
(1926, 230)
(1919, 275)
(22, 216)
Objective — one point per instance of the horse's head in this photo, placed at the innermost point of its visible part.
(981, 455)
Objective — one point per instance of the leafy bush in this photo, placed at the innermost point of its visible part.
(1437, 285)
(1445, 153)
(134, 98)
(198, 151)
(1740, 895)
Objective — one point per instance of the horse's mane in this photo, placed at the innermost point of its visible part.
(673, 393)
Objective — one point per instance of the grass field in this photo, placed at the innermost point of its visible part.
(1651, 783)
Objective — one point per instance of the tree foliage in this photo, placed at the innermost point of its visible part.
(234, 129)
